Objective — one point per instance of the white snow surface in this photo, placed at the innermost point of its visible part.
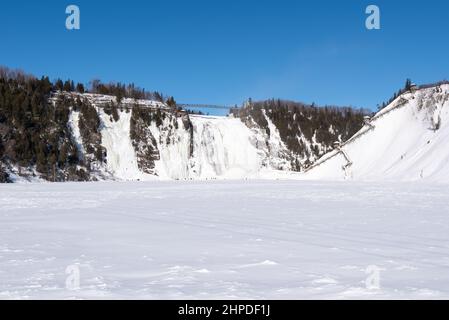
(405, 144)
(224, 239)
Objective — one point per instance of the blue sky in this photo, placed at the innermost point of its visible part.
(224, 51)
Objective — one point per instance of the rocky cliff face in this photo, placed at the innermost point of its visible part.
(98, 138)
(305, 132)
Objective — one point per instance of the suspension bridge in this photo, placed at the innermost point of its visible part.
(204, 106)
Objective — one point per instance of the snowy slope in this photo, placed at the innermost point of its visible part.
(406, 141)
(224, 239)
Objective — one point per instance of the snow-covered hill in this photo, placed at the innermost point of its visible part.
(406, 141)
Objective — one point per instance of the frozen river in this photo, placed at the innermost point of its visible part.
(227, 239)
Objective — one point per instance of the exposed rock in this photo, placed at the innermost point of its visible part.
(143, 140)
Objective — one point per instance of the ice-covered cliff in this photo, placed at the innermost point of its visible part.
(145, 142)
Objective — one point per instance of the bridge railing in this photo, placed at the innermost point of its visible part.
(203, 106)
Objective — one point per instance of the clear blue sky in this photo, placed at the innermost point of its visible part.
(224, 51)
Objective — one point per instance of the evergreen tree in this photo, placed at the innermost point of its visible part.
(408, 84)
(68, 86)
(80, 88)
(59, 85)
(171, 102)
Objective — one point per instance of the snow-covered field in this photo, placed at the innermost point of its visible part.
(224, 239)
